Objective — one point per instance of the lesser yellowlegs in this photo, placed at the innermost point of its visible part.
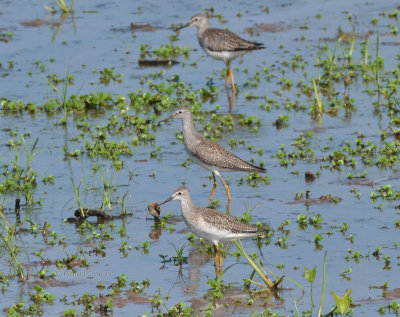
(210, 155)
(221, 44)
(211, 224)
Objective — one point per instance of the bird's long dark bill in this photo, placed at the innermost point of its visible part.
(182, 27)
(164, 120)
(165, 201)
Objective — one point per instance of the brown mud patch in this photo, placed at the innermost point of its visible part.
(360, 182)
(236, 301)
(129, 297)
(388, 296)
(347, 36)
(39, 22)
(70, 263)
(51, 283)
(310, 201)
(136, 27)
(269, 28)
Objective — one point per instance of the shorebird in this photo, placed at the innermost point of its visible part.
(211, 224)
(208, 154)
(221, 44)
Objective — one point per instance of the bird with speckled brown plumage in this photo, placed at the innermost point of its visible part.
(211, 224)
(210, 155)
(221, 44)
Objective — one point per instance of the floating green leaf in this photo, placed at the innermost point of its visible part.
(342, 303)
(310, 274)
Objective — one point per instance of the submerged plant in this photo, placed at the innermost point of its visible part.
(13, 251)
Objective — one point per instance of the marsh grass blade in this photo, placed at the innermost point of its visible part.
(320, 106)
(269, 284)
(7, 237)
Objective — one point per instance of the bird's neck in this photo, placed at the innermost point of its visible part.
(188, 128)
(187, 207)
(201, 29)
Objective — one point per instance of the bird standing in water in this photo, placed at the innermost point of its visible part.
(221, 44)
(208, 154)
(211, 224)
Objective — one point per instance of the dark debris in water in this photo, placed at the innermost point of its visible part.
(323, 199)
(154, 210)
(309, 176)
(94, 213)
(156, 62)
(390, 43)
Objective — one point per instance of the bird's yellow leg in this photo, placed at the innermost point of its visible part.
(226, 186)
(230, 72)
(216, 251)
(213, 190)
(220, 260)
(229, 75)
(217, 272)
(228, 208)
(227, 79)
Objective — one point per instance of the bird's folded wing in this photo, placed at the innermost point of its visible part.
(215, 154)
(218, 40)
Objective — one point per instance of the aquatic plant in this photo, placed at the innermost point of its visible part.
(108, 188)
(21, 178)
(77, 197)
(62, 94)
(13, 250)
(268, 283)
(318, 108)
(342, 303)
(62, 6)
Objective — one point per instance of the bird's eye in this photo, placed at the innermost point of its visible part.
(179, 193)
(180, 111)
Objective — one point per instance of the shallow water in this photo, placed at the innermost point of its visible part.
(99, 37)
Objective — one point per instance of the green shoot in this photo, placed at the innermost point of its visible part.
(62, 95)
(77, 197)
(342, 303)
(310, 277)
(13, 251)
(323, 288)
(63, 7)
(317, 112)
